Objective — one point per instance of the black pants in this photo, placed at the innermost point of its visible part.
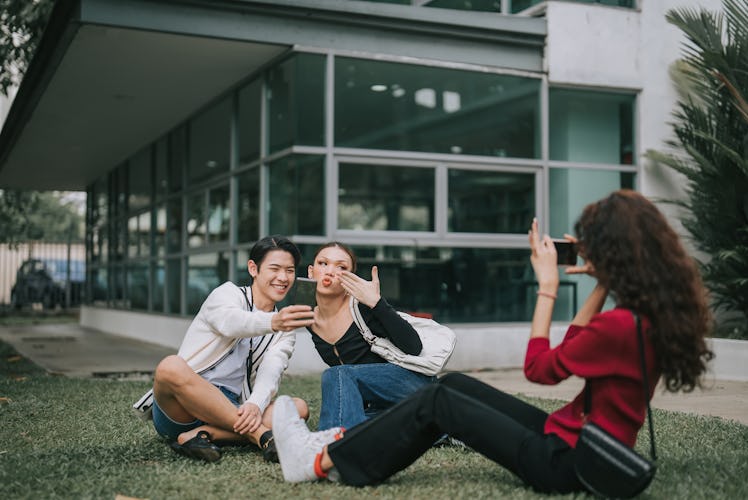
(495, 424)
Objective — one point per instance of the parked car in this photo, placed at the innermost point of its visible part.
(44, 281)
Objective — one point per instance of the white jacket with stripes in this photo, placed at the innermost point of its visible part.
(225, 317)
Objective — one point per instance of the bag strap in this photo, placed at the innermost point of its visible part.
(645, 386)
(366, 333)
(645, 382)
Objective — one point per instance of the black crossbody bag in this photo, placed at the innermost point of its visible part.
(606, 466)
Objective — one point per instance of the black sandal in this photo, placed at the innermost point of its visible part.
(269, 451)
(199, 447)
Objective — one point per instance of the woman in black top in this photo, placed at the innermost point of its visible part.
(359, 383)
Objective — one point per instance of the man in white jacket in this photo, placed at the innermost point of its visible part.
(220, 385)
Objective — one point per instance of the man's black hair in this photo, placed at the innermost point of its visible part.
(274, 242)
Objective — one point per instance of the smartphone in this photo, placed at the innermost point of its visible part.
(305, 292)
(566, 251)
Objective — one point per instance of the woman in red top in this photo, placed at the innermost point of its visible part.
(637, 258)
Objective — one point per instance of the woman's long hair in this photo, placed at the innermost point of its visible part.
(640, 259)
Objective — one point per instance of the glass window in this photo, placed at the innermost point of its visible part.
(419, 108)
(158, 286)
(296, 195)
(219, 214)
(490, 202)
(593, 127)
(139, 235)
(210, 141)
(385, 198)
(296, 103)
(161, 166)
(242, 274)
(249, 122)
(571, 189)
(132, 228)
(139, 181)
(159, 235)
(453, 284)
(174, 225)
(118, 240)
(99, 286)
(174, 286)
(177, 158)
(204, 273)
(478, 5)
(196, 220)
(117, 293)
(520, 5)
(248, 226)
(137, 285)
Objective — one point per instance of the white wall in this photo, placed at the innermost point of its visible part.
(616, 48)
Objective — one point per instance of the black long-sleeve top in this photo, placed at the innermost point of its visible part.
(352, 348)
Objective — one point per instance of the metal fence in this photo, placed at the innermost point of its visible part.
(44, 275)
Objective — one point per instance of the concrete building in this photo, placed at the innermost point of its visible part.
(426, 134)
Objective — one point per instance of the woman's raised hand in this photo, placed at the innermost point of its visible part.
(585, 268)
(544, 260)
(366, 292)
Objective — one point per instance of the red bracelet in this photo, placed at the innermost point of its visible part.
(548, 294)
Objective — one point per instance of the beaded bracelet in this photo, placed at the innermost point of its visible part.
(548, 294)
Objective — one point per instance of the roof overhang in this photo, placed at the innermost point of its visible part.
(110, 76)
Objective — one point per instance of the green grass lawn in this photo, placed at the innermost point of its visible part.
(74, 438)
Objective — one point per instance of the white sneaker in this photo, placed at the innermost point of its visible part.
(297, 446)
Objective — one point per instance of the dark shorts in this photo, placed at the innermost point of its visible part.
(170, 429)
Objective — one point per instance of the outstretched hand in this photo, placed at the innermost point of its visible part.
(366, 292)
(292, 317)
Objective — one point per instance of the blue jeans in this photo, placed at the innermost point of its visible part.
(354, 393)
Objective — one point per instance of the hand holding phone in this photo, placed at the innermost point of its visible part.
(566, 252)
(305, 292)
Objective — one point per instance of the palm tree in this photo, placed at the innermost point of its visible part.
(711, 129)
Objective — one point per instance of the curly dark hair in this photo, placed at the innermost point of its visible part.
(639, 258)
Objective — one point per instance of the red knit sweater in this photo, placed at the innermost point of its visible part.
(605, 353)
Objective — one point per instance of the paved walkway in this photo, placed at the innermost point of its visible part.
(71, 350)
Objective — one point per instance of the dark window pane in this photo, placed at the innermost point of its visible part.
(139, 181)
(204, 273)
(137, 285)
(520, 5)
(159, 235)
(177, 158)
(297, 202)
(196, 220)
(490, 202)
(248, 228)
(210, 141)
(158, 286)
(385, 198)
(419, 108)
(458, 285)
(174, 286)
(296, 103)
(249, 122)
(174, 225)
(477, 5)
(218, 214)
(161, 166)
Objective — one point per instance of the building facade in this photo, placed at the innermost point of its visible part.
(426, 135)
